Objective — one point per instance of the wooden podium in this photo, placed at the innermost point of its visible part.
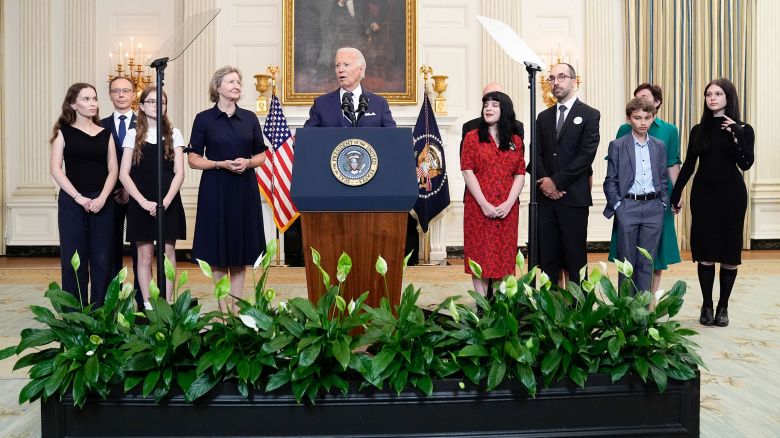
(354, 209)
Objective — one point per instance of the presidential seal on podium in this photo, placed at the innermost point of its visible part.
(354, 162)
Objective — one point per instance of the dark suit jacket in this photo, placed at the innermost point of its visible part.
(108, 123)
(326, 112)
(621, 170)
(474, 124)
(567, 158)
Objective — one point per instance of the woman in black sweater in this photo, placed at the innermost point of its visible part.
(723, 146)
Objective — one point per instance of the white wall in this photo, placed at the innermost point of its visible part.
(42, 56)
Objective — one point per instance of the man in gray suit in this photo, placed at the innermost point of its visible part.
(635, 188)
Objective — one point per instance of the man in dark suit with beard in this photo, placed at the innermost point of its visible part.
(568, 137)
(121, 120)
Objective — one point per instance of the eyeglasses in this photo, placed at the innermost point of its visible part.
(154, 102)
(121, 91)
(561, 77)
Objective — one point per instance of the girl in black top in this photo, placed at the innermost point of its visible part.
(85, 209)
(723, 145)
(138, 172)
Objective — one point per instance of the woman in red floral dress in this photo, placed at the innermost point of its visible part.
(494, 169)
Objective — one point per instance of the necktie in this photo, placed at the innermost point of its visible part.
(561, 119)
(120, 134)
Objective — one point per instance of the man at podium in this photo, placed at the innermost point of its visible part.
(350, 105)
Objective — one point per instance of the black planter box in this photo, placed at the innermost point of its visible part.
(628, 407)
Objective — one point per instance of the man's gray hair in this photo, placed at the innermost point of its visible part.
(361, 60)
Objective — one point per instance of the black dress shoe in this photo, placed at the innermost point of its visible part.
(722, 317)
(706, 317)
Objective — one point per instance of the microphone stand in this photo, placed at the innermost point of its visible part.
(533, 207)
(159, 65)
(362, 107)
(346, 107)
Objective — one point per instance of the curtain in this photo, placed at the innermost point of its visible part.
(683, 44)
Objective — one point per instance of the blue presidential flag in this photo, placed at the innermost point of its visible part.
(434, 190)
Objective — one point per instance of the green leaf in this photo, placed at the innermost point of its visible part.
(398, 381)
(170, 272)
(243, 369)
(305, 307)
(659, 376)
(496, 374)
(34, 338)
(473, 351)
(340, 303)
(527, 378)
(222, 289)
(7, 352)
(653, 332)
(150, 381)
(185, 379)
(91, 371)
(309, 355)
(131, 382)
(641, 366)
(343, 267)
(424, 384)
(154, 291)
(183, 277)
(645, 253)
(32, 391)
(61, 299)
(179, 336)
(551, 362)
(75, 262)
(618, 372)
(205, 268)
(315, 257)
(406, 259)
(381, 266)
(79, 388)
(341, 352)
(613, 346)
(200, 387)
(382, 360)
(476, 269)
(578, 376)
(278, 379)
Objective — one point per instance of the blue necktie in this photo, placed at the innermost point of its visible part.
(121, 131)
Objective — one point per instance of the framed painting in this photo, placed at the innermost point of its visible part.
(384, 30)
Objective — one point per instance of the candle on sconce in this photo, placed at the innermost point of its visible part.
(568, 58)
(127, 57)
(119, 53)
(132, 47)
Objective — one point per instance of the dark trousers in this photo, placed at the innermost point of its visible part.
(639, 224)
(92, 235)
(563, 232)
(119, 244)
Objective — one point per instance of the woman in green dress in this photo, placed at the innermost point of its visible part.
(668, 251)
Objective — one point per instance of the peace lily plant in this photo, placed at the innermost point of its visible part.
(532, 332)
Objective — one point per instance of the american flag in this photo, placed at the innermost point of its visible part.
(275, 174)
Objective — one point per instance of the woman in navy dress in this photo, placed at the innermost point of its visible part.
(85, 213)
(227, 144)
(138, 172)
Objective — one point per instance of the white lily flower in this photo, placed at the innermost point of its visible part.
(351, 306)
(249, 322)
(283, 305)
(659, 294)
(90, 352)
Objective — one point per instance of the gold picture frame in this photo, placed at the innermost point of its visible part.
(314, 29)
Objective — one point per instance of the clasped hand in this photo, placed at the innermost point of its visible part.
(239, 165)
(549, 189)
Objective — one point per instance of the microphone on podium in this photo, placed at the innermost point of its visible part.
(347, 108)
(362, 107)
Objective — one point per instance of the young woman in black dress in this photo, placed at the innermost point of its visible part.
(85, 210)
(723, 146)
(138, 174)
